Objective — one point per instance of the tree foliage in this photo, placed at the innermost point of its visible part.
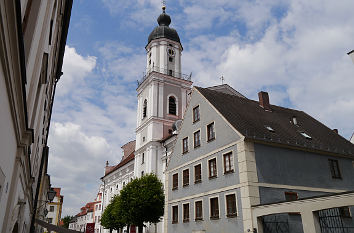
(66, 221)
(111, 218)
(142, 200)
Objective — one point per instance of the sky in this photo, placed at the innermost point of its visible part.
(296, 50)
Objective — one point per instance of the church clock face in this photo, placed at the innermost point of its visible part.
(171, 52)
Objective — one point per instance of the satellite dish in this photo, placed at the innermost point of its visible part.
(177, 125)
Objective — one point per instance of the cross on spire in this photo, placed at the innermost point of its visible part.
(222, 79)
(163, 2)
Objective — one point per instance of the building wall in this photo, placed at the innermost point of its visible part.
(300, 168)
(225, 141)
(26, 94)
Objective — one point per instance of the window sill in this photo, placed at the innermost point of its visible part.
(185, 220)
(174, 188)
(198, 181)
(184, 152)
(199, 219)
(185, 185)
(211, 139)
(196, 147)
(229, 172)
(172, 115)
(196, 121)
(173, 222)
(231, 215)
(214, 218)
(212, 177)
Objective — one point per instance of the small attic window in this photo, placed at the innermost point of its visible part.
(270, 129)
(306, 135)
(294, 120)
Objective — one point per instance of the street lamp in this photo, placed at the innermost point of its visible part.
(51, 194)
(351, 54)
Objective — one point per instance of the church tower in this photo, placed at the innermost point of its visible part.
(162, 97)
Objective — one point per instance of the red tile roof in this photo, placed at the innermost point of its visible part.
(122, 163)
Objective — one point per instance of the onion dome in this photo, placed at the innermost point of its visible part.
(163, 30)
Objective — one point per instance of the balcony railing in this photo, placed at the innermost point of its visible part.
(166, 72)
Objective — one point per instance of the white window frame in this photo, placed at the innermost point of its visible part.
(201, 172)
(195, 212)
(187, 145)
(168, 105)
(189, 219)
(173, 188)
(200, 138)
(177, 214)
(216, 162)
(206, 131)
(228, 193)
(210, 206)
(189, 177)
(198, 105)
(233, 161)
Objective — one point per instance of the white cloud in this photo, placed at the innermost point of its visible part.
(76, 162)
(302, 58)
(75, 69)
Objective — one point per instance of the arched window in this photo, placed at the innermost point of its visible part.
(172, 105)
(144, 108)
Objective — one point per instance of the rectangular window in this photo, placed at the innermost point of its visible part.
(210, 132)
(142, 173)
(196, 116)
(143, 158)
(185, 145)
(175, 181)
(228, 163)
(174, 214)
(197, 139)
(186, 212)
(186, 177)
(291, 196)
(198, 210)
(334, 167)
(212, 168)
(51, 208)
(214, 208)
(50, 220)
(198, 173)
(231, 205)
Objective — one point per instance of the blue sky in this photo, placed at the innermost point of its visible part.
(295, 50)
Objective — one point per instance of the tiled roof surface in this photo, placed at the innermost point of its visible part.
(122, 163)
(248, 118)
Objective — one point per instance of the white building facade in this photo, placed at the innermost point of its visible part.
(33, 36)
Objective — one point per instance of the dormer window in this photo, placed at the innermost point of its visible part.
(172, 105)
(270, 129)
(144, 108)
(294, 120)
(306, 135)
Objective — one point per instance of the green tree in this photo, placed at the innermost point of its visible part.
(142, 200)
(112, 216)
(66, 221)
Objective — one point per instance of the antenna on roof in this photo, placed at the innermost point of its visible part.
(222, 79)
(163, 2)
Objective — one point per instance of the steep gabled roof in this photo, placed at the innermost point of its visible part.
(248, 118)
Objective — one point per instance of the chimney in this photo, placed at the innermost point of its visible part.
(264, 100)
(335, 130)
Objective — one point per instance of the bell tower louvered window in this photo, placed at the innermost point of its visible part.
(144, 108)
(172, 105)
